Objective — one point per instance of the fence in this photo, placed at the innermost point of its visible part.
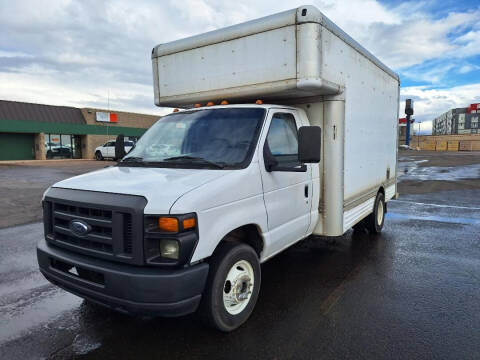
(447, 142)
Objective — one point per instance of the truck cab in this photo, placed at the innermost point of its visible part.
(221, 172)
(273, 143)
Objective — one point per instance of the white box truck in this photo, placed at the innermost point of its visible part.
(288, 128)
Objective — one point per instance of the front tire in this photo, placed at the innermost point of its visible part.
(98, 156)
(374, 221)
(232, 287)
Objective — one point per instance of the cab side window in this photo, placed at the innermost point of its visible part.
(110, 143)
(282, 139)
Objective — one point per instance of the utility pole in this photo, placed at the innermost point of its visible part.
(418, 134)
(408, 112)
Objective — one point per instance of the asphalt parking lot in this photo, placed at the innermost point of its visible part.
(22, 186)
(412, 292)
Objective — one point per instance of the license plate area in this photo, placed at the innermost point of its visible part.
(78, 272)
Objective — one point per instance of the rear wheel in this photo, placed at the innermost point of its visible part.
(232, 287)
(98, 156)
(374, 221)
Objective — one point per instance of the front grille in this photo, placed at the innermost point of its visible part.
(100, 236)
(127, 233)
(112, 229)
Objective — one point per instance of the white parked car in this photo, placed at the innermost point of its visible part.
(107, 150)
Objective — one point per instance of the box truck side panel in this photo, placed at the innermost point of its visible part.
(371, 105)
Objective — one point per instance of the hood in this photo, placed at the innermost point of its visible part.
(160, 186)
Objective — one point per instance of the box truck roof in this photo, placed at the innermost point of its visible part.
(276, 57)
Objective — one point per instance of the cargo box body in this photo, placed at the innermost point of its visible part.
(302, 59)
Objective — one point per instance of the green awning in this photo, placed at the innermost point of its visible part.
(25, 126)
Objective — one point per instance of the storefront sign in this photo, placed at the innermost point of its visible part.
(102, 116)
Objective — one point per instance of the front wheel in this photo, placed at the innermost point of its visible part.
(374, 221)
(98, 155)
(232, 287)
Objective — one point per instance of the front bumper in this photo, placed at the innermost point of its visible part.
(126, 288)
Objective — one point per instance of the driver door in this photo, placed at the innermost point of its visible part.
(109, 149)
(287, 193)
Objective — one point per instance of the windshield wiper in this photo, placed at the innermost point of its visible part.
(195, 159)
(132, 160)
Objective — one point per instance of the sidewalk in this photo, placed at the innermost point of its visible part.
(41, 162)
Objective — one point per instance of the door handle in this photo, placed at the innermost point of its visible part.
(306, 191)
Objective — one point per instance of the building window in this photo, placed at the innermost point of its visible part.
(474, 122)
(62, 146)
(461, 121)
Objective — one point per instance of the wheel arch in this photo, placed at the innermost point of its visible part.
(249, 234)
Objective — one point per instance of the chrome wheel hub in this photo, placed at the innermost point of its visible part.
(238, 287)
(380, 213)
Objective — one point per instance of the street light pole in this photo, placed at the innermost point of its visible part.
(418, 134)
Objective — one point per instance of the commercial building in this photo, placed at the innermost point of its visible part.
(457, 121)
(36, 131)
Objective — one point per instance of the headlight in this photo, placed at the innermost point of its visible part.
(170, 239)
(169, 249)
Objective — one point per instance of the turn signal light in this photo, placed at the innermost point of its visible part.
(168, 224)
(210, 103)
(189, 223)
(197, 105)
(224, 102)
(259, 102)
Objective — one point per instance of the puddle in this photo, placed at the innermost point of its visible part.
(444, 219)
(411, 171)
(83, 344)
(27, 314)
(407, 165)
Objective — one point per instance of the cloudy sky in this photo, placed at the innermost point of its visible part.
(95, 53)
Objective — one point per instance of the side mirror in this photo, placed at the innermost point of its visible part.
(309, 144)
(120, 147)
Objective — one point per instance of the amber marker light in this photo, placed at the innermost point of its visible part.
(259, 102)
(224, 102)
(210, 103)
(176, 110)
(197, 105)
(168, 224)
(189, 224)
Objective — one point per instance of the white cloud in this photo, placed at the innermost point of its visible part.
(429, 103)
(469, 43)
(75, 52)
(465, 69)
(433, 75)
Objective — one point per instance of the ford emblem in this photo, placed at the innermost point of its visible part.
(79, 227)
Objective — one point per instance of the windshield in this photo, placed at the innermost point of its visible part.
(215, 138)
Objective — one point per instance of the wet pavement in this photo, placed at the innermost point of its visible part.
(411, 292)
